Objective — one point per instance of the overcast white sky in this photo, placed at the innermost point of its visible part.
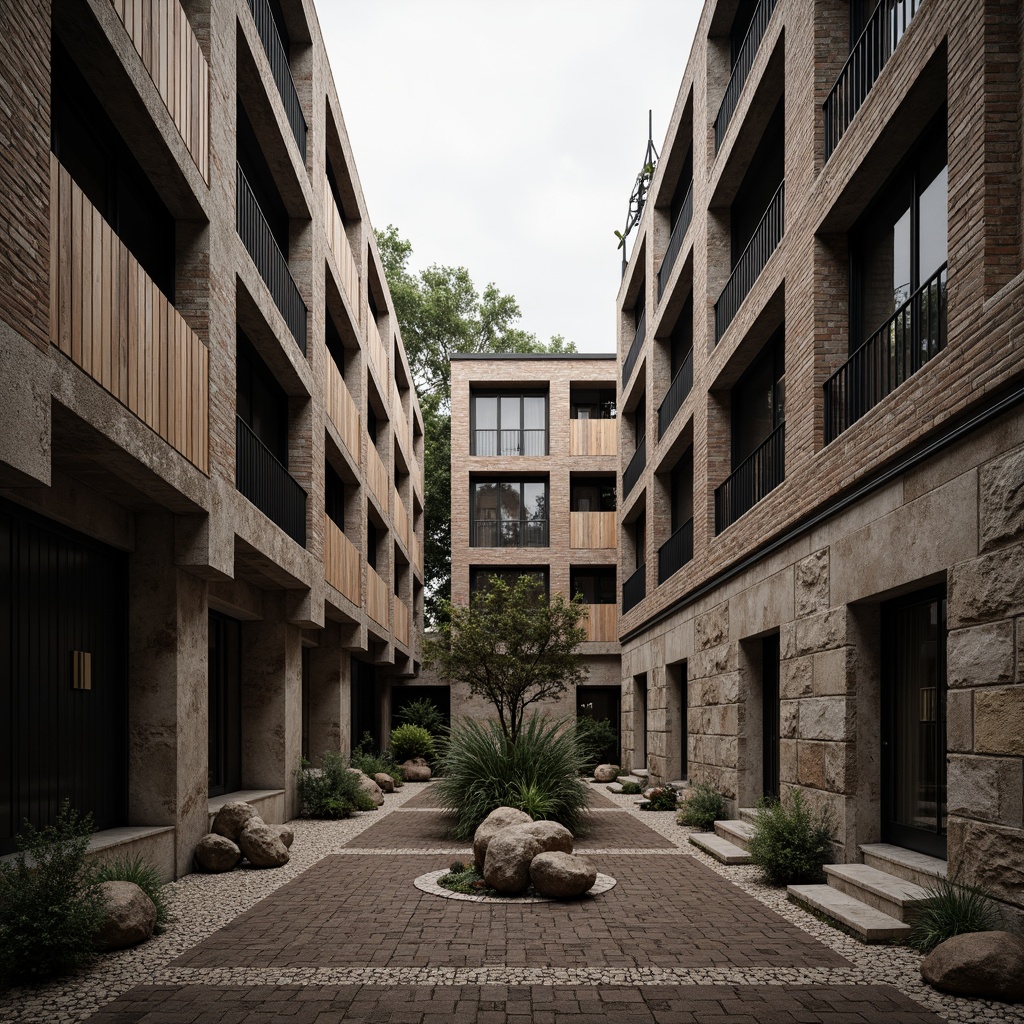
(506, 135)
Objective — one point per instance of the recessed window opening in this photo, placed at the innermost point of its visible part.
(509, 423)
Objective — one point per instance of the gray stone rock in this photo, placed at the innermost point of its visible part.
(553, 837)
(512, 849)
(416, 770)
(369, 787)
(286, 834)
(614, 787)
(232, 818)
(499, 818)
(130, 919)
(561, 875)
(986, 964)
(262, 846)
(386, 783)
(217, 853)
(606, 772)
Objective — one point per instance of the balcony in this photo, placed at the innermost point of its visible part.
(267, 484)
(400, 521)
(675, 242)
(376, 598)
(402, 622)
(675, 552)
(341, 562)
(377, 475)
(741, 69)
(400, 420)
(277, 55)
(337, 242)
(912, 336)
(510, 442)
(592, 530)
(869, 55)
(681, 385)
(342, 409)
(375, 347)
(634, 348)
(634, 590)
(509, 533)
(600, 622)
(271, 263)
(593, 437)
(635, 468)
(112, 321)
(748, 267)
(416, 551)
(761, 472)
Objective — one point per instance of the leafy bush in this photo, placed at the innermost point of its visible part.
(631, 788)
(471, 882)
(409, 741)
(50, 907)
(598, 738)
(370, 762)
(331, 791)
(138, 870)
(424, 713)
(952, 909)
(663, 798)
(703, 807)
(790, 842)
(539, 773)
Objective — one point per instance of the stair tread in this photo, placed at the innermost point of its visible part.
(864, 920)
(735, 826)
(890, 887)
(719, 848)
(911, 859)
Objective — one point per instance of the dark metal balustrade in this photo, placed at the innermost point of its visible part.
(761, 472)
(634, 590)
(510, 533)
(869, 55)
(634, 348)
(912, 336)
(273, 46)
(680, 387)
(675, 552)
(267, 484)
(510, 442)
(635, 468)
(748, 267)
(741, 69)
(675, 242)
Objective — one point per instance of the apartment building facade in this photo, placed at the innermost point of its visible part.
(211, 484)
(821, 429)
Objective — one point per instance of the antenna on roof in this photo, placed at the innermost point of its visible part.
(639, 196)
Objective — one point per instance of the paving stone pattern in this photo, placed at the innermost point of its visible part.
(428, 798)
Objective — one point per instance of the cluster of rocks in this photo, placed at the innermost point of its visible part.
(239, 831)
(130, 916)
(511, 851)
(987, 964)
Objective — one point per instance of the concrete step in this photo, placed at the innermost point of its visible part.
(642, 773)
(736, 832)
(747, 814)
(680, 784)
(891, 895)
(614, 787)
(630, 778)
(867, 923)
(719, 848)
(915, 867)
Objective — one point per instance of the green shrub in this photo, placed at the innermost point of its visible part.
(631, 788)
(471, 882)
(424, 713)
(457, 867)
(702, 808)
(598, 738)
(50, 908)
(138, 870)
(370, 763)
(539, 773)
(663, 798)
(330, 791)
(409, 741)
(952, 909)
(790, 842)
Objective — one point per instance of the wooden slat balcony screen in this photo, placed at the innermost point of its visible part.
(400, 420)
(111, 320)
(592, 530)
(163, 38)
(401, 520)
(416, 550)
(341, 562)
(375, 347)
(376, 597)
(417, 480)
(600, 622)
(342, 409)
(337, 241)
(593, 437)
(402, 622)
(377, 476)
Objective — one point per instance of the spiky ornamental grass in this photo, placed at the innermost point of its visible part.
(138, 870)
(952, 909)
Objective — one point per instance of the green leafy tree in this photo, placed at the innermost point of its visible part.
(441, 313)
(511, 646)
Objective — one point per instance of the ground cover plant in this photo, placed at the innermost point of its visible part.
(411, 741)
(138, 870)
(330, 791)
(662, 798)
(467, 880)
(703, 807)
(631, 788)
(791, 842)
(952, 909)
(371, 762)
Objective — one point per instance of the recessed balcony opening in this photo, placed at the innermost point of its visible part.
(592, 504)
(509, 513)
(596, 586)
(635, 467)
(639, 318)
(508, 423)
(678, 549)
(482, 576)
(680, 352)
(634, 589)
(273, 32)
(680, 215)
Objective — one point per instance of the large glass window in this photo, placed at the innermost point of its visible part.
(509, 513)
(480, 576)
(592, 404)
(509, 423)
(596, 583)
(759, 400)
(592, 494)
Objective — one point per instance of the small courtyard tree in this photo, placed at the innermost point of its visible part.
(512, 646)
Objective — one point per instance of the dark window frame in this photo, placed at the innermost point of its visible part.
(499, 394)
(522, 521)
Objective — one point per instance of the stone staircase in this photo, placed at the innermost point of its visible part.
(728, 843)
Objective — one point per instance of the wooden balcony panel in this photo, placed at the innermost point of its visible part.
(593, 437)
(376, 597)
(402, 622)
(337, 242)
(416, 551)
(601, 622)
(375, 347)
(592, 530)
(377, 475)
(113, 322)
(163, 38)
(400, 520)
(342, 410)
(341, 562)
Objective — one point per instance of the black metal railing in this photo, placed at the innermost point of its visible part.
(267, 484)
(868, 56)
(261, 245)
(748, 267)
(680, 387)
(762, 471)
(634, 348)
(510, 442)
(675, 552)
(914, 334)
(635, 468)
(675, 242)
(509, 533)
(273, 46)
(634, 590)
(741, 69)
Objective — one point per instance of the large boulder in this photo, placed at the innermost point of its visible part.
(262, 845)
(987, 964)
(561, 875)
(606, 772)
(499, 818)
(512, 849)
(386, 783)
(415, 770)
(130, 916)
(232, 818)
(369, 787)
(552, 836)
(286, 834)
(217, 853)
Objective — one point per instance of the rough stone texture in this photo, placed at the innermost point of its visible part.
(232, 818)
(554, 838)
(499, 818)
(960, 721)
(386, 783)
(812, 583)
(216, 853)
(987, 855)
(369, 787)
(262, 846)
(606, 772)
(1001, 499)
(824, 718)
(990, 788)
(980, 655)
(998, 718)
(987, 588)
(131, 916)
(796, 678)
(986, 964)
(561, 875)
(711, 628)
(416, 770)
(508, 858)
(286, 834)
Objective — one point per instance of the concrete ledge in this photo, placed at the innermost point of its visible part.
(269, 804)
(719, 848)
(864, 922)
(155, 844)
